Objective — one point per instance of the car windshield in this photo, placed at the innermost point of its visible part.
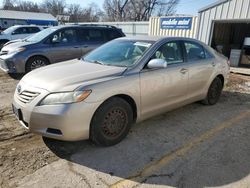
(41, 35)
(123, 53)
(9, 30)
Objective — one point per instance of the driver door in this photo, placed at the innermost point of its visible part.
(164, 89)
(63, 46)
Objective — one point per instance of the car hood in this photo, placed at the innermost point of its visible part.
(16, 44)
(69, 75)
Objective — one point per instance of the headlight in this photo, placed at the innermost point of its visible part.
(65, 98)
(17, 50)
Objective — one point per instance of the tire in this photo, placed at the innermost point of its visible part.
(214, 92)
(111, 122)
(35, 62)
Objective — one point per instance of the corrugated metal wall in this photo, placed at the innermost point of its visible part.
(155, 29)
(226, 11)
(129, 28)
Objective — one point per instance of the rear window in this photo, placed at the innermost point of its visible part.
(112, 34)
(91, 35)
(194, 51)
(33, 29)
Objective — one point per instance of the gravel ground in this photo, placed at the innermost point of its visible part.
(27, 160)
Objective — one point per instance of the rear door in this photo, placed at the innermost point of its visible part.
(66, 48)
(201, 67)
(163, 89)
(90, 38)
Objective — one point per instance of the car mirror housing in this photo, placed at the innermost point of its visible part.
(14, 33)
(157, 64)
(55, 39)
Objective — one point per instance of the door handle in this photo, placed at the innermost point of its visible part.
(76, 47)
(213, 64)
(85, 46)
(183, 71)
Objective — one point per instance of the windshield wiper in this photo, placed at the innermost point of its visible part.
(98, 62)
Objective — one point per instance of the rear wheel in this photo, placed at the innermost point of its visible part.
(36, 62)
(111, 122)
(214, 92)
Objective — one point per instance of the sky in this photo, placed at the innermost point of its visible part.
(189, 7)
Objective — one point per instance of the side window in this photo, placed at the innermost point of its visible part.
(208, 54)
(67, 36)
(171, 52)
(83, 35)
(194, 51)
(112, 34)
(21, 30)
(95, 35)
(33, 29)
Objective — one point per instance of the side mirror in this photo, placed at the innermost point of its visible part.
(157, 63)
(55, 39)
(14, 33)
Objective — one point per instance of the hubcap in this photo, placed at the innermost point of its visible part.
(37, 64)
(114, 123)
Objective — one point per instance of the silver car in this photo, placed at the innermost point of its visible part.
(122, 82)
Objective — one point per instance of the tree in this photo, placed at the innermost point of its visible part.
(8, 5)
(75, 12)
(137, 10)
(54, 7)
(115, 10)
(92, 13)
(20, 6)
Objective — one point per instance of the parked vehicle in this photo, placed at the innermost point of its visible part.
(18, 32)
(55, 44)
(124, 81)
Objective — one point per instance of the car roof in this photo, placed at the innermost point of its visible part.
(26, 26)
(155, 38)
(86, 26)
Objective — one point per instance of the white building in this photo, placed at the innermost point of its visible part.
(9, 18)
(225, 25)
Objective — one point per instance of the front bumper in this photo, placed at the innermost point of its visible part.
(12, 63)
(68, 122)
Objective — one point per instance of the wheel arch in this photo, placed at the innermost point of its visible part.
(37, 55)
(131, 102)
(221, 77)
(4, 40)
(125, 97)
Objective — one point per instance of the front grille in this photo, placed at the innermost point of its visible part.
(3, 52)
(27, 96)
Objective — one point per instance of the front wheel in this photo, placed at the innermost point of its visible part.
(214, 92)
(111, 122)
(36, 62)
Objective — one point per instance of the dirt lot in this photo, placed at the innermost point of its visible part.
(194, 146)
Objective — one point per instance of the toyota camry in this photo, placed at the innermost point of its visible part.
(125, 81)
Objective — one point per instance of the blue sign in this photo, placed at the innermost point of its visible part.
(176, 23)
(42, 22)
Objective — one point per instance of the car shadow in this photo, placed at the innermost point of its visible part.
(218, 161)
